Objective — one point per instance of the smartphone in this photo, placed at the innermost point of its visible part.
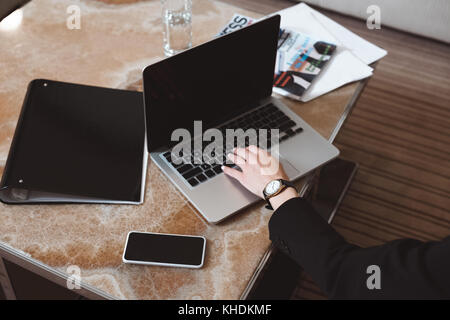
(161, 249)
(330, 187)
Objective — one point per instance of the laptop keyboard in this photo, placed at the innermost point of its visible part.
(267, 117)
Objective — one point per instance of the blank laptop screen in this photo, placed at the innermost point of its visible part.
(211, 82)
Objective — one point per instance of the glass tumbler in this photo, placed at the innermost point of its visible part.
(177, 24)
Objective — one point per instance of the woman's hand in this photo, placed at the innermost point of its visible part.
(258, 169)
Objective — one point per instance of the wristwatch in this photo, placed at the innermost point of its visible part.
(275, 187)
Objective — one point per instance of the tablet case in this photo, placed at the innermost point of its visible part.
(77, 143)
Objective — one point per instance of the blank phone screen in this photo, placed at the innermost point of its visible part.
(162, 248)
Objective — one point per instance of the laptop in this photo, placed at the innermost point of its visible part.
(225, 83)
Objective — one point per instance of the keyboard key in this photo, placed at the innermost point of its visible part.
(298, 130)
(193, 182)
(256, 117)
(290, 132)
(201, 177)
(210, 173)
(217, 169)
(192, 173)
(184, 168)
(283, 118)
(266, 120)
(258, 124)
(205, 166)
(277, 114)
(285, 126)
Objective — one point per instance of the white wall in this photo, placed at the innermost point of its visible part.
(429, 18)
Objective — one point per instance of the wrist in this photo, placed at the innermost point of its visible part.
(285, 195)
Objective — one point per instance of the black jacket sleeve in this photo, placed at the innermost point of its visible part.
(408, 269)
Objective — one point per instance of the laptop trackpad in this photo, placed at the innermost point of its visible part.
(289, 168)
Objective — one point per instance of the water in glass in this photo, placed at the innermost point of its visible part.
(177, 18)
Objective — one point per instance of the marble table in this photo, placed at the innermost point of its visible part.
(116, 40)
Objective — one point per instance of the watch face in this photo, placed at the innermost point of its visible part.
(272, 187)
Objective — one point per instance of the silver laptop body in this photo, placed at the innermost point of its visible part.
(221, 196)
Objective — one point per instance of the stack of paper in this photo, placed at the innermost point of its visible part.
(350, 61)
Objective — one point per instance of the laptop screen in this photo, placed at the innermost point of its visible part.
(211, 82)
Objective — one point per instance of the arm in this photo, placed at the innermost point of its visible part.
(408, 268)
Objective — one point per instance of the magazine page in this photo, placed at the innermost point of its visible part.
(300, 59)
(237, 22)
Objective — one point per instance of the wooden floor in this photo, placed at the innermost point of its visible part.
(399, 133)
